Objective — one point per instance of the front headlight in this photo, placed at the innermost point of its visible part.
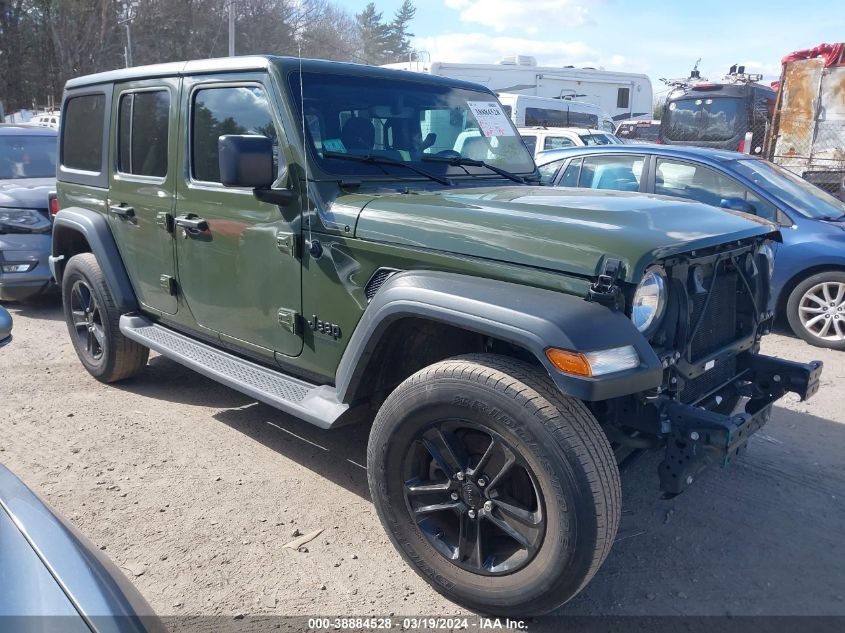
(649, 302)
(23, 221)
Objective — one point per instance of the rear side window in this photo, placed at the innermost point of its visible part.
(142, 133)
(616, 173)
(556, 142)
(229, 110)
(82, 138)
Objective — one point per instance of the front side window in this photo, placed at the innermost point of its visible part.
(142, 127)
(82, 135)
(419, 123)
(705, 119)
(226, 110)
(570, 175)
(702, 184)
(616, 173)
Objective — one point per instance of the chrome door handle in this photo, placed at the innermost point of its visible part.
(127, 213)
(191, 225)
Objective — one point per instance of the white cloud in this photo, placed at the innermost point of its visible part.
(480, 48)
(528, 16)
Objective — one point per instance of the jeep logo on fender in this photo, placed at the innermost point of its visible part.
(324, 327)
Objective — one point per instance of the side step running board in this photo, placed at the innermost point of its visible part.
(316, 404)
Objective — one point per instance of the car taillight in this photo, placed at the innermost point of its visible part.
(54, 204)
(658, 141)
(741, 147)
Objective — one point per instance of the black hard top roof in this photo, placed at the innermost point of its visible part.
(258, 62)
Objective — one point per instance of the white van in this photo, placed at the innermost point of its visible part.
(525, 110)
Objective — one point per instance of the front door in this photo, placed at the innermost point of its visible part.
(239, 271)
(142, 186)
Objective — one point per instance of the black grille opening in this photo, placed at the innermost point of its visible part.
(700, 386)
(718, 326)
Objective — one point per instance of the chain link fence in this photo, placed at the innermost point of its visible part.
(813, 150)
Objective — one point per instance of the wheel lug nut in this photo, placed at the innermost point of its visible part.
(459, 476)
(454, 496)
(482, 482)
(488, 505)
(471, 514)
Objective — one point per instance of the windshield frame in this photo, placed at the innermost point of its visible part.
(318, 168)
(755, 170)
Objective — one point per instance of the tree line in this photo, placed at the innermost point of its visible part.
(43, 43)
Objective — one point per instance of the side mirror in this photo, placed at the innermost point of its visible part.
(737, 204)
(5, 326)
(245, 161)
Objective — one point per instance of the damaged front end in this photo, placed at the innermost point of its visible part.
(717, 390)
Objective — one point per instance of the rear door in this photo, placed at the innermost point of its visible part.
(240, 275)
(142, 187)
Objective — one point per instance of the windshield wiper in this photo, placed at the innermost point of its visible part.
(382, 160)
(830, 218)
(469, 162)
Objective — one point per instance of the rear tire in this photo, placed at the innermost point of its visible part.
(92, 320)
(561, 496)
(816, 310)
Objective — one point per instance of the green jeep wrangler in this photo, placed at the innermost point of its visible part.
(307, 233)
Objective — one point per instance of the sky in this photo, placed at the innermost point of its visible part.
(660, 39)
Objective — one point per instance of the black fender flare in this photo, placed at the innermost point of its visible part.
(94, 228)
(528, 317)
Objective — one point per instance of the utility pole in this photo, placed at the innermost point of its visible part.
(231, 28)
(127, 50)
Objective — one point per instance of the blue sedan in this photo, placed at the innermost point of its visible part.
(809, 278)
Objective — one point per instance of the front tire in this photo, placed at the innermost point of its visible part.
(93, 323)
(499, 491)
(816, 310)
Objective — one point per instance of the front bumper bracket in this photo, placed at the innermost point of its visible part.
(699, 437)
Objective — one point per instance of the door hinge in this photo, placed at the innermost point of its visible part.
(288, 243)
(605, 290)
(289, 319)
(165, 221)
(168, 284)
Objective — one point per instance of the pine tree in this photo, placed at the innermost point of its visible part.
(400, 38)
(375, 35)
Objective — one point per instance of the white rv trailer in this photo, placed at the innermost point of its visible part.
(623, 95)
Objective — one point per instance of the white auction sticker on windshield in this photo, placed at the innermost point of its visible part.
(491, 119)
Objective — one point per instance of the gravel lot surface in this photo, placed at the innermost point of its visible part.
(193, 490)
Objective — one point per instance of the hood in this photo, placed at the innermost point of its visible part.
(26, 193)
(568, 230)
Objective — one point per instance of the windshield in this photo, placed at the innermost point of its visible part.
(27, 156)
(405, 121)
(804, 197)
(710, 119)
(599, 139)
